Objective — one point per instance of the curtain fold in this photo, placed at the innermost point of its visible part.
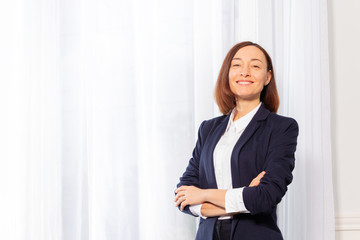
(102, 101)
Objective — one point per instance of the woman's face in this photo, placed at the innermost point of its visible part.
(248, 73)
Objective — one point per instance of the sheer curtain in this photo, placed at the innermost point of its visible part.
(102, 100)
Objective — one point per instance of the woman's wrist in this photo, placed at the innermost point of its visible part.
(205, 195)
(208, 195)
(215, 196)
(211, 210)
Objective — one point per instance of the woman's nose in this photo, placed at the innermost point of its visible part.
(245, 72)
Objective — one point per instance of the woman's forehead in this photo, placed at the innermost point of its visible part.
(249, 52)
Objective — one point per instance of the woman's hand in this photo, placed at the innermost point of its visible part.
(188, 195)
(256, 181)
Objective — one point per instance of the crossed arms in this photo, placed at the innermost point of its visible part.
(212, 200)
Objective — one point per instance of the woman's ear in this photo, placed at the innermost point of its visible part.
(268, 78)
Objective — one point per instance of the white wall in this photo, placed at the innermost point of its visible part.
(344, 47)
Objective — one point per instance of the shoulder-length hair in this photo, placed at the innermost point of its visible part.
(225, 98)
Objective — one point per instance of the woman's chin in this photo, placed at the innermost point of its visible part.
(247, 97)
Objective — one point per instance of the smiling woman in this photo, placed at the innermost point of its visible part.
(247, 62)
(243, 161)
(248, 74)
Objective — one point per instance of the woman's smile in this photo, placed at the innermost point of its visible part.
(244, 82)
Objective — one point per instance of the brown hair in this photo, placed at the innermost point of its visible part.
(225, 98)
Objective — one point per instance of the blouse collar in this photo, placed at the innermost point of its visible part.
(240, 124)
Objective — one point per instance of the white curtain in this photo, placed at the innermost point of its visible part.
(101, 101)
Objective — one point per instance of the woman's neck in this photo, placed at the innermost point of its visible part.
(244, 107)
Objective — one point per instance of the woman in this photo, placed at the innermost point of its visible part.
(243, 161)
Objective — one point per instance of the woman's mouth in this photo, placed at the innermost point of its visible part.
(244, 82)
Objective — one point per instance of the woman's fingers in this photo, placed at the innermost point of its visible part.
(183, 205)
(253, 183)
(187, 195)
(179, 201)
(256, 181)
(182, 188)
(180, 194)
(261, 174)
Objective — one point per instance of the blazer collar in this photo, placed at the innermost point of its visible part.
(260, 115)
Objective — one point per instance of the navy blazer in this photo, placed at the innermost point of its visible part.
(268, 144)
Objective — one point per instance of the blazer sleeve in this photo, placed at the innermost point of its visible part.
(191, 174)
(279, 164)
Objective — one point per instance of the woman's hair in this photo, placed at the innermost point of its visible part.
(225, 98)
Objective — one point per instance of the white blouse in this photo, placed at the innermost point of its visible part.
(222, 165)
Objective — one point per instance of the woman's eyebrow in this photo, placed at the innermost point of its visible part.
(256, 59)
(253, 59)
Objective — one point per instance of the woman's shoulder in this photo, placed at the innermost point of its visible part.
(280, 118)
(217, 119)
(279, 121)
(209, 124)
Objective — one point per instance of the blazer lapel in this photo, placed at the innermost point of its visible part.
(213, 140)
(254, 124)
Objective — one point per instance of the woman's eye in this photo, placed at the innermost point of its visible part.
(236, 65)
(256, 66)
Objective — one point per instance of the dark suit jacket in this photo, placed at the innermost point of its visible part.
(268, 143)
